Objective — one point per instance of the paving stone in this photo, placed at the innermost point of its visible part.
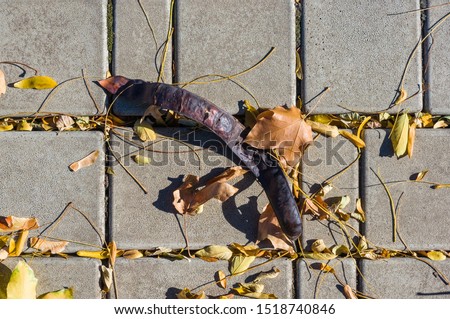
(60, 40)
(398, 278)
(437, 93)
(422, 216)
(359, 52)
(230, 37)
(322, 160)
(55, 273)
(36, 181)
(315, 284)
(136, 55)
(165, 278)
(140, 220)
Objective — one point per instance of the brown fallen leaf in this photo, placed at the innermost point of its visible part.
(84, 162)
(228, 174)
(12, 223)
(64, 122)
(45, 245)
(184, 195)
(283, 129)
(2, 83)
(187, 294)
(132, 254)
(221, 279)
(114, 83)
(269, 228)
(348, 292)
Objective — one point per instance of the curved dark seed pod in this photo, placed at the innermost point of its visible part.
(230, 130)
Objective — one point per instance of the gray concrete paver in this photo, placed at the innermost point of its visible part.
(398, 278)
(37, 181)
(143, 221)
(165, 278)
(230, 37)
(80, 274)
(422, 213)
(359, 52)
(61, 40)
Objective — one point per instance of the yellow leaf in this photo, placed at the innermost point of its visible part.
(144, 131)
(427, 120)
(359, 213)
(24, 126)
(340, 250)
(401, 96)
(438, 186)
(20, 243)
(411, 139)
(273, 273)
(320, 256)
(6, 127)
(436, 255)
(419, 176)
(66, 293)
(84, 162)
(22, 283)
(440, 124)
(2, 83)
(399, 135)
(215, 251)
(251, 113)
(323, 267)
(318, 246)
(100, 254)
(248, 291)
(38, 82)
(325, 129)
(12, 223)
(321, 118)
(221, 279)
(358, 142)
(187, 294)
(45, 245)
(132, 254)
(361, 126)
(240, 263)
(141, 160)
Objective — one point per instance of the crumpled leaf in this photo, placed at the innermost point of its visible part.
(85, 162)
(22, 283)
(247, 250)
(140, 159)
(240, 263)
(65, 293)
(113, 83)
(283, 129)
(19, 244)
(4, 126)
(348, 292)
(248, 291)
(2, 83)
(269, 228)
(436, 255)
(12, 223)
(44, 245)
(359, 213)
(38, 82)
(273, 273)
(399, 135)
(187, 294)
(23, 125)
(107, 276)
(188, 199)
(320, 210)
(64, 122)
(144, 130)
(221, 279)
(318, 246)
(215, 251)
(340, 250)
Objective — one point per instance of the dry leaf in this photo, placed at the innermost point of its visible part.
(240, 263)
(3, 254)
(359, 213)
(323, 267)
(214, 251)
(19, 244)
(399, 135)
(248, 291)
(440, 124)
(411, 139)
(436, 255)
(325, 129)
(2, 83)
(348, 292)
(340, 250)
(439, 186)
(100, 254)
(38, 82)
(247, 250)
(132, 254)
(140, 159)
(45, 245)
(318, 246)
(64, 122)
(419, 176)
(283, 129)
(107, 276)
(12, 223)
(401, 96)
(22, 283)
(320, 210)
(226, 296)
(184, 195)
(221, 279)
(187, 294)
(114, 83)
(4, 126)
(357, 141)
(273, 273)
(144, 130)
(153, 110)
(228, 175)
(320, 256)
(23, 125)
(269, 228)
(85, 162)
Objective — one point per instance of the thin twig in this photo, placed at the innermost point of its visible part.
(22, 64)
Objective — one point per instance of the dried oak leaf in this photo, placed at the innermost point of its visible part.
(269, 228)
(283, 129)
